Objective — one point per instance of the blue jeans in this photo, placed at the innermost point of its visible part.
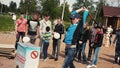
(95, 57)
(83, 52)
(81, 49)
(68, 61)
(45, 48)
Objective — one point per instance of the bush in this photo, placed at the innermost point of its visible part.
(6, 23)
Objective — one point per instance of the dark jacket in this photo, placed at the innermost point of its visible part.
(77, 33)
(98, 39)
(117, 40)
(59, 29)
(84, 35)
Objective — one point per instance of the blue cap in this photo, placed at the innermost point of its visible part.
(75, 16)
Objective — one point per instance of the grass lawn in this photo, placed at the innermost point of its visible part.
(6, 23)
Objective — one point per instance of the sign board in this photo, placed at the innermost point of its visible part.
(27, 56)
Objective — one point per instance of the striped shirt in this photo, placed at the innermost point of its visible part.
(46, 36)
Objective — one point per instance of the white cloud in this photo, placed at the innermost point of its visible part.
(7, 2)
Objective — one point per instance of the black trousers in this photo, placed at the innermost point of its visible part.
(56, 48)
(18, 35)
(90, 50)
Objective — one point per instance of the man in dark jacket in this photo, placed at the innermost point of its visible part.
(81, 45)
(117, 48)
(59, 28)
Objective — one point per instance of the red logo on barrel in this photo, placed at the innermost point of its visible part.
(34, 54)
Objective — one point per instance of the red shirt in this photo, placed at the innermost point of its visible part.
(21, 24)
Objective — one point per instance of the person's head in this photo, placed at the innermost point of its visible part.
(99, 28)
(46, 17)
(59, 21)
(35, 16)
(75, 18)
(21, 15)
(47, 28)
(110, 26)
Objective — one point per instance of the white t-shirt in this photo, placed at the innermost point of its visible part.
(43, 25)
(14, 17)
(109, 30)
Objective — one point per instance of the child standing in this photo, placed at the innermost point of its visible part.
(46, 38)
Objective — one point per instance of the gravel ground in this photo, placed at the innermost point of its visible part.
(106, 56)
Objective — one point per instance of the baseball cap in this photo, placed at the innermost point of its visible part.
(75, 16)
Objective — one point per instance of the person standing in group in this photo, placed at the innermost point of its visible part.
(43, 24)
(14, 18)
(110, 31)
(59, 28)
(81, 45)
(92, 34)
(97, 46)
(20, 28)
(117, 48)
(46, 39)
(71, 38)
(32, 28)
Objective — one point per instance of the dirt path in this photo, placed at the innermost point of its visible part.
(106, 56)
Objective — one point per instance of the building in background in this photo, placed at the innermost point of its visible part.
(111, 16)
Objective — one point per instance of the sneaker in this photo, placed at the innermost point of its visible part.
(14, 52)
(79, 61)
(119, 61)
(94, 66)
(88, 59)
(52, 57)
(115, 62)
(84, 62)
(56, 59)
(45, 59)
(89, 66)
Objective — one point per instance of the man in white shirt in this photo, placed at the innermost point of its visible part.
(14, 17)
(43, 24)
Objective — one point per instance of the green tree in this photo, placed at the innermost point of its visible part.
(54, 9)
(93, 7)
(13, 6)
(28, 6)
(50, 7)
(21, 7)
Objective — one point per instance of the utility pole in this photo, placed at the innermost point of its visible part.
(63, 10)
